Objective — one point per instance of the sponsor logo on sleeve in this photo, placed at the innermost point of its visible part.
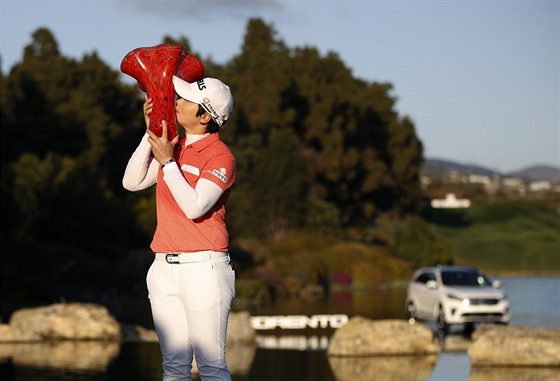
(221, 174)
(189, 168)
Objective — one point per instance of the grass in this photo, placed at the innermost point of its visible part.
(506, 237)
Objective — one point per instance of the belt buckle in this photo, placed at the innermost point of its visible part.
(172, 258)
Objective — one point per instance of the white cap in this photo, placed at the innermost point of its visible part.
(211, 93)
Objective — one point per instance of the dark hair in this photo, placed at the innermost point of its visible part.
(211, 126)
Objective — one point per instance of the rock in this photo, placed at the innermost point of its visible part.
(239, 358)
(240, 330)
(241, 343)
(365, 337)
(136, 333)
(515, 346)
(11, 335)
(66, 321)
(69, 355)
(514, 373)
(383, 368)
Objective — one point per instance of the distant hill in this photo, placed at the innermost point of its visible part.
(441, 167)
(540, 172)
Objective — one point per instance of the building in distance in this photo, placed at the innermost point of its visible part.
(450, 202)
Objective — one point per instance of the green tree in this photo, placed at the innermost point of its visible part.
(259, 77)
(418, 243)
(406, 159)
(270, 198)
(354, 139)
(66, 123)
(362, 157)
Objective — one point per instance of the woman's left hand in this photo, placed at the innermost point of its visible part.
(162, 148)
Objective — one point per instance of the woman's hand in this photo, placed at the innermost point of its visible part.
(148, 106)
(162, 148)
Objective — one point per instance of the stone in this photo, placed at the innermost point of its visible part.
(89, 355)
(9, 334)
(514, 373)
(495, 345)
(383, 368)
(240, 330)
(136, 333)
(67, 321)
(366, 337)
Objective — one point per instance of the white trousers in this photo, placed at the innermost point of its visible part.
(190, 307)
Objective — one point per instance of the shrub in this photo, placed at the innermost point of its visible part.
(418, 243)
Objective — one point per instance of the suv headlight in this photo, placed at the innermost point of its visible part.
(465, 302)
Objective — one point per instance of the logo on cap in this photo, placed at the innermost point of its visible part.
(209, 108)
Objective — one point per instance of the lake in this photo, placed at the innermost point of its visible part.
(298, 355)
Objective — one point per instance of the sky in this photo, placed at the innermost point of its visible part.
(479, 79)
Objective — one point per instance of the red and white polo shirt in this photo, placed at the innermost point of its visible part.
(208, 158)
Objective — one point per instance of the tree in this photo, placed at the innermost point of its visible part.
(270, 198)
(418, 243)
(63, 124)
(362, 157)
(406, 159)
(259, 77)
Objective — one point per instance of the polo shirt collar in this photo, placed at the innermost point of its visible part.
(202, 143)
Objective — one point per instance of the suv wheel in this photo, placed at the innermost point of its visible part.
(411, 313)
(468, 329)
(442, 325)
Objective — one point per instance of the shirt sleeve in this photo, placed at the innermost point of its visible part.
(194, 202)
(142, 169)
(220, 170)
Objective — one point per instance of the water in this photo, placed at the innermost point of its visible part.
(535, 300)
(297, 355)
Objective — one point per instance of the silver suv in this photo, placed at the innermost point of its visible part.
(455, 295)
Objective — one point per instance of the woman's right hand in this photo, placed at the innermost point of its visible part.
(148, 106)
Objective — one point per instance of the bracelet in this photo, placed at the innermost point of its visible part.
(167, 162)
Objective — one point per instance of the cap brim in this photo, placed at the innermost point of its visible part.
(185, 89)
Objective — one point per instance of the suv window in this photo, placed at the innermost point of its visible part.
(425, 277)
(464, 278)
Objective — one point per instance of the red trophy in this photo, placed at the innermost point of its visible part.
(153, 68)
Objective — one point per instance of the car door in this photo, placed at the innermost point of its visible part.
(427, 294)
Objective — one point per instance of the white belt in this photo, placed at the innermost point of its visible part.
(199, 256)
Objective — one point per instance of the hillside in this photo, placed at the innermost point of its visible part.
(536, 173)
(440, 167)
(504, 237)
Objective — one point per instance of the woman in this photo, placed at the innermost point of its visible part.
(191, 282)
